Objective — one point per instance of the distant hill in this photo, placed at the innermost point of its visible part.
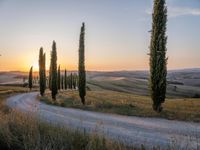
(181, 83)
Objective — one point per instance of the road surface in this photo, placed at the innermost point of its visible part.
(130, 130)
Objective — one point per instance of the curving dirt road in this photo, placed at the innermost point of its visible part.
(131, 130)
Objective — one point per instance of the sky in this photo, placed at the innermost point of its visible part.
(117, 36)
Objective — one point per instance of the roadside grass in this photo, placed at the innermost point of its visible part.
(6, 91)
(186, 109)
(20, 131)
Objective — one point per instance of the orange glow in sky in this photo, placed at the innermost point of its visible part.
(117, 36)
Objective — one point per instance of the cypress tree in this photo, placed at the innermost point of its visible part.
(71, 81)
(74, 80)
(30, 78)
(50, 76)
(59, 81)
(158, 60)
(65, 80)
(82, 75)
(42, 72)
(54, 85)
(68, 81)
(62, 82)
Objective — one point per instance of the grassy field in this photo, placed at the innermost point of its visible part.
(19, 131)
(186, 109)
(180, 83)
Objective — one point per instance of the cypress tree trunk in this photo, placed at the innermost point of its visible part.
(59, 81)
(42, 72)
(65, 81)
(82, 76)
(158, 60)
(30, 78)
(54, 84)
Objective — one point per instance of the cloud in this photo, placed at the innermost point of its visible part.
(180, 11)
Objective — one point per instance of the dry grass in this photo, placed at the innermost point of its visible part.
(24, 132)
(12, 89)
(129, 104)
(6, 91)
(21, 132)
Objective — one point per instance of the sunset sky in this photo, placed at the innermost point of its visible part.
(117, 36)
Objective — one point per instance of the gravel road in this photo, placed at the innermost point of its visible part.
(131, 130)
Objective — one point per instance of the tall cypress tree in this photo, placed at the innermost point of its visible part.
(54, 85)
(65, 80)
(82, 75)
(42, 72)
(59, 81)
(30, 78)
(158, 60)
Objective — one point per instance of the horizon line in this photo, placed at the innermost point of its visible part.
(127, 70)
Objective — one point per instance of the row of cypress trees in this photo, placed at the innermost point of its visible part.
(64, 81)
(157, 61)
(56, 81)
(68, 82)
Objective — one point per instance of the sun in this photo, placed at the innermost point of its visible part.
(35, 66)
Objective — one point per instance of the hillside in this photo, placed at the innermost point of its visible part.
(181, 83)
